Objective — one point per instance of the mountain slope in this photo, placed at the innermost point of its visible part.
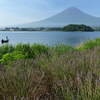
(70, 16)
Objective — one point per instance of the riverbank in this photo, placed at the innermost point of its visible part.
(59, 72)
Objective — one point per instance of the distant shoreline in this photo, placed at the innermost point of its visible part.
(67, 28)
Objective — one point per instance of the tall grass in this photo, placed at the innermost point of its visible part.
(89, 44)
(60, 72)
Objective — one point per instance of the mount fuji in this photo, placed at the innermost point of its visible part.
(71, 15)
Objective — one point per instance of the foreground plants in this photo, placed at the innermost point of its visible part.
(51, 73)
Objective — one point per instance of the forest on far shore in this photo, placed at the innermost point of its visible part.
(67, 28)
(77, 27)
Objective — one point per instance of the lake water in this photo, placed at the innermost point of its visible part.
(49, 38)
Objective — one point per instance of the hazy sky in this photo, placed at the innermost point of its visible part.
(14, 12)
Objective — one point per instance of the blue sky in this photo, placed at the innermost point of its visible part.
(14, 12)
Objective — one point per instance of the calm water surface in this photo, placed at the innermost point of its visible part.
(50, 38)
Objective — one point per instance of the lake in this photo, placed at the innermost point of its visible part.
(49, 38)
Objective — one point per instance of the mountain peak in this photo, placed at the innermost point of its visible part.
(73, 9)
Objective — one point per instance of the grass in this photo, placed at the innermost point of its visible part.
(41, 72)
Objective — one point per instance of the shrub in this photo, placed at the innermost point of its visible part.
(9, 57)
(25, 49)
(89, 44)
(6, 49)
(37, 49)
(62, 48)
(97, 40)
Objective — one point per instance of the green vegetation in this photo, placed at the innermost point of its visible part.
(77, 27)
(42, 72)
(70, 27)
